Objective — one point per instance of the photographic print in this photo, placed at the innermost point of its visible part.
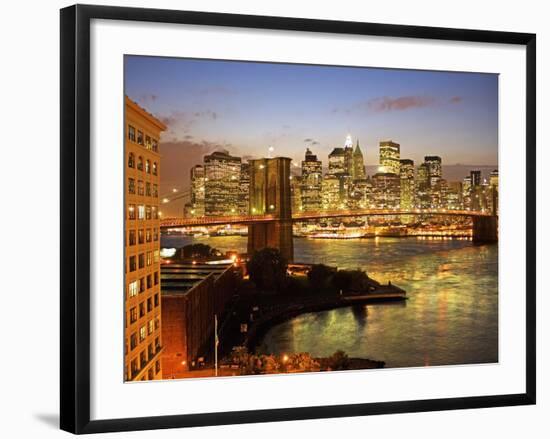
(290, 218)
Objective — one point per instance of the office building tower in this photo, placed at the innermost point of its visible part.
(244, 189)
(358, 164)
(312, 174)
(142, 328)
(407, 190)
(197, 191)
(222, 174)
(389, 157)
(386, 190)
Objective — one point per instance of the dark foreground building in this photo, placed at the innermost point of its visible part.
(191, 296)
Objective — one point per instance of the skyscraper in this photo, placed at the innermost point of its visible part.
(338, 161)
(389, 157)
(358, 164)
(386, 190)
(423, 199)
(244, 192)
(197, 191)
(296, 193)
(407, 183)
(312, 174)
(142, 333)
(222, 175)
(493, 184)
(331, 192)
(475, 177)
(466, 192)
(433, 164)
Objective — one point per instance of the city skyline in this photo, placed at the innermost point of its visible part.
(248, 107)
(220, 185)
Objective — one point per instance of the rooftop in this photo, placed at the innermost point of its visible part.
(179, 278)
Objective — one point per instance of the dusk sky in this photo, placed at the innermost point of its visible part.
(246, 107)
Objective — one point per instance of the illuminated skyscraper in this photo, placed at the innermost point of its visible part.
(423, 198)
(296, 193)
(466, 192)
(493, 184)
(454, 195)
(337, 161)
(475, 177)
(433, 164)
(197, 191)
(389, 157)
(222, 174)
(244, 189)
(361, 194)
(407, 184)
(358, 164)
(386, 190)
(331, 192)
(312, 174)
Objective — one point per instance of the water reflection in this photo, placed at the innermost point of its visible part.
(451, 316)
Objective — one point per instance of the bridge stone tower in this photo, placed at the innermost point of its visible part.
(270, 195)
(485, 229)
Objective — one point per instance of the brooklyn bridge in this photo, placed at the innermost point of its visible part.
(270, 195)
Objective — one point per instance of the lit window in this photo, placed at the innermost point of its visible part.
(150, 327)
(155, 145)
(132, 211)
(142, 333)
(141, 212)
(155, 170)
(133, 287)
(131, 160)
(147, 166)
(156, 256)
(148, 144)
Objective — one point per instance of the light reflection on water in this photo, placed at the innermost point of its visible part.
(451, 316)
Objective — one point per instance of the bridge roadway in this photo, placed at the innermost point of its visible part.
(305, 216)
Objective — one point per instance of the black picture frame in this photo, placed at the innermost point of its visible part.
(75, 217)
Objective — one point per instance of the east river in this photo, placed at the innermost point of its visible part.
(451, 316)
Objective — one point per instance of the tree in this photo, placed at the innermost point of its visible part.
(197, 251)
(319, 275)
(267, 269)
(338, 361)
(302, 362)
(359, 281)
(342, 280)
